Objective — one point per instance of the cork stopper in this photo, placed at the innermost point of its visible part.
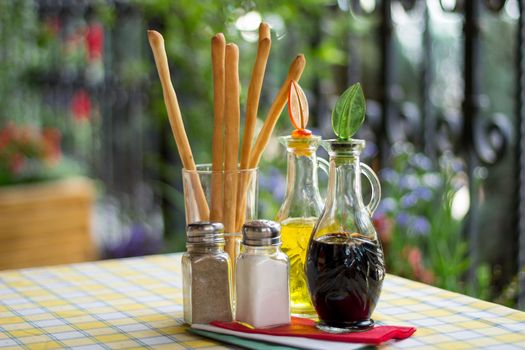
(344, 147)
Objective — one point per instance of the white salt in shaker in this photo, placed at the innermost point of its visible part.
(263, 292)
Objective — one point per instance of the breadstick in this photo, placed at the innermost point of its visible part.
(232, 119)
(252, 104)
(177, 125)
(294, 73)
(218, 47)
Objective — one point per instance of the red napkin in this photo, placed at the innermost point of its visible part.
(303, 327)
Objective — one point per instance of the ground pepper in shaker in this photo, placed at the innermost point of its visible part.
(206, 275)
(262, 285)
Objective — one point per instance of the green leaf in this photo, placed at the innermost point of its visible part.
(349, 112)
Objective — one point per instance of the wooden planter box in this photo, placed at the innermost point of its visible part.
(46, 224)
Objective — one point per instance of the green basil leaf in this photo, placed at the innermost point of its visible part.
(349, 112)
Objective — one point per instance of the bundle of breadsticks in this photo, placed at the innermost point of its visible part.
(229, 185)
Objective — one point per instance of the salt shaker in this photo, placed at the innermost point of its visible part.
(262, 284)
(206, 275)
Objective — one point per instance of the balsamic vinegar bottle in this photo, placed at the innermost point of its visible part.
(345, 265)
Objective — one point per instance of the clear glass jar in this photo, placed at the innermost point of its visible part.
(345, 266)
(206, 275)
(299, 212)
(262, 269)
(204, 181)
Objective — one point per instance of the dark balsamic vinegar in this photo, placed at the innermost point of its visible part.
(345, 274)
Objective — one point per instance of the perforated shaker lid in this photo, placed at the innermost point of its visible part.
(261, 233)
(206, 232)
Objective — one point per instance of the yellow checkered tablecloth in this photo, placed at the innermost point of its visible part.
(137, 303)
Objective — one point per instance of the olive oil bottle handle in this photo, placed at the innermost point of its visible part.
(324, 165)
(375, 186)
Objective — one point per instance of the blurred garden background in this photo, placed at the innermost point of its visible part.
(80, 98)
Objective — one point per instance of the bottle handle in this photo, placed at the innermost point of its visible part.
(375, 185)
(324, 165)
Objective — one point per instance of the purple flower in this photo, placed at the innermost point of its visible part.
(274, 183)
(403, 219)
(448, 161)
(402, 148)
(423, 193)
(389, 175)
(387, 205)
(370, 150)
(419, 225)
(409, 200)
(432, 180)
(139, 240)
(136, 245)
(421, 161)
(409, 182)
(416, 225)
(457, 165)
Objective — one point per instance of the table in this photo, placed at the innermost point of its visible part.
(137, 303)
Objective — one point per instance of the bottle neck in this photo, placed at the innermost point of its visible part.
(202, 248)
(302, 199)
(344, 184)
(301, 173)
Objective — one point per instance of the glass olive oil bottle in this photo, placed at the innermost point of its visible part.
(298, 214)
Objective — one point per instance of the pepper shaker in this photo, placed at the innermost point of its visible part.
(206, 274)
(262, 269)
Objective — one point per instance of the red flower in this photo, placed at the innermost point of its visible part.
(415, 260)
(426, 276)
(383, 225)
(95, 41)
(23, 144)
(81, 105)
(6, 134)
(414, 257)
(27, 135)
(51, 138)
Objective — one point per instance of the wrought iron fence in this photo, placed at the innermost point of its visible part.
(479, 137)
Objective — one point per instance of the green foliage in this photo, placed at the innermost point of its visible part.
(416, 222)
(349, 112)
(18, 28)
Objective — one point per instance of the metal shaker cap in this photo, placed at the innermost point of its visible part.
(261, 233)
(205, 232)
